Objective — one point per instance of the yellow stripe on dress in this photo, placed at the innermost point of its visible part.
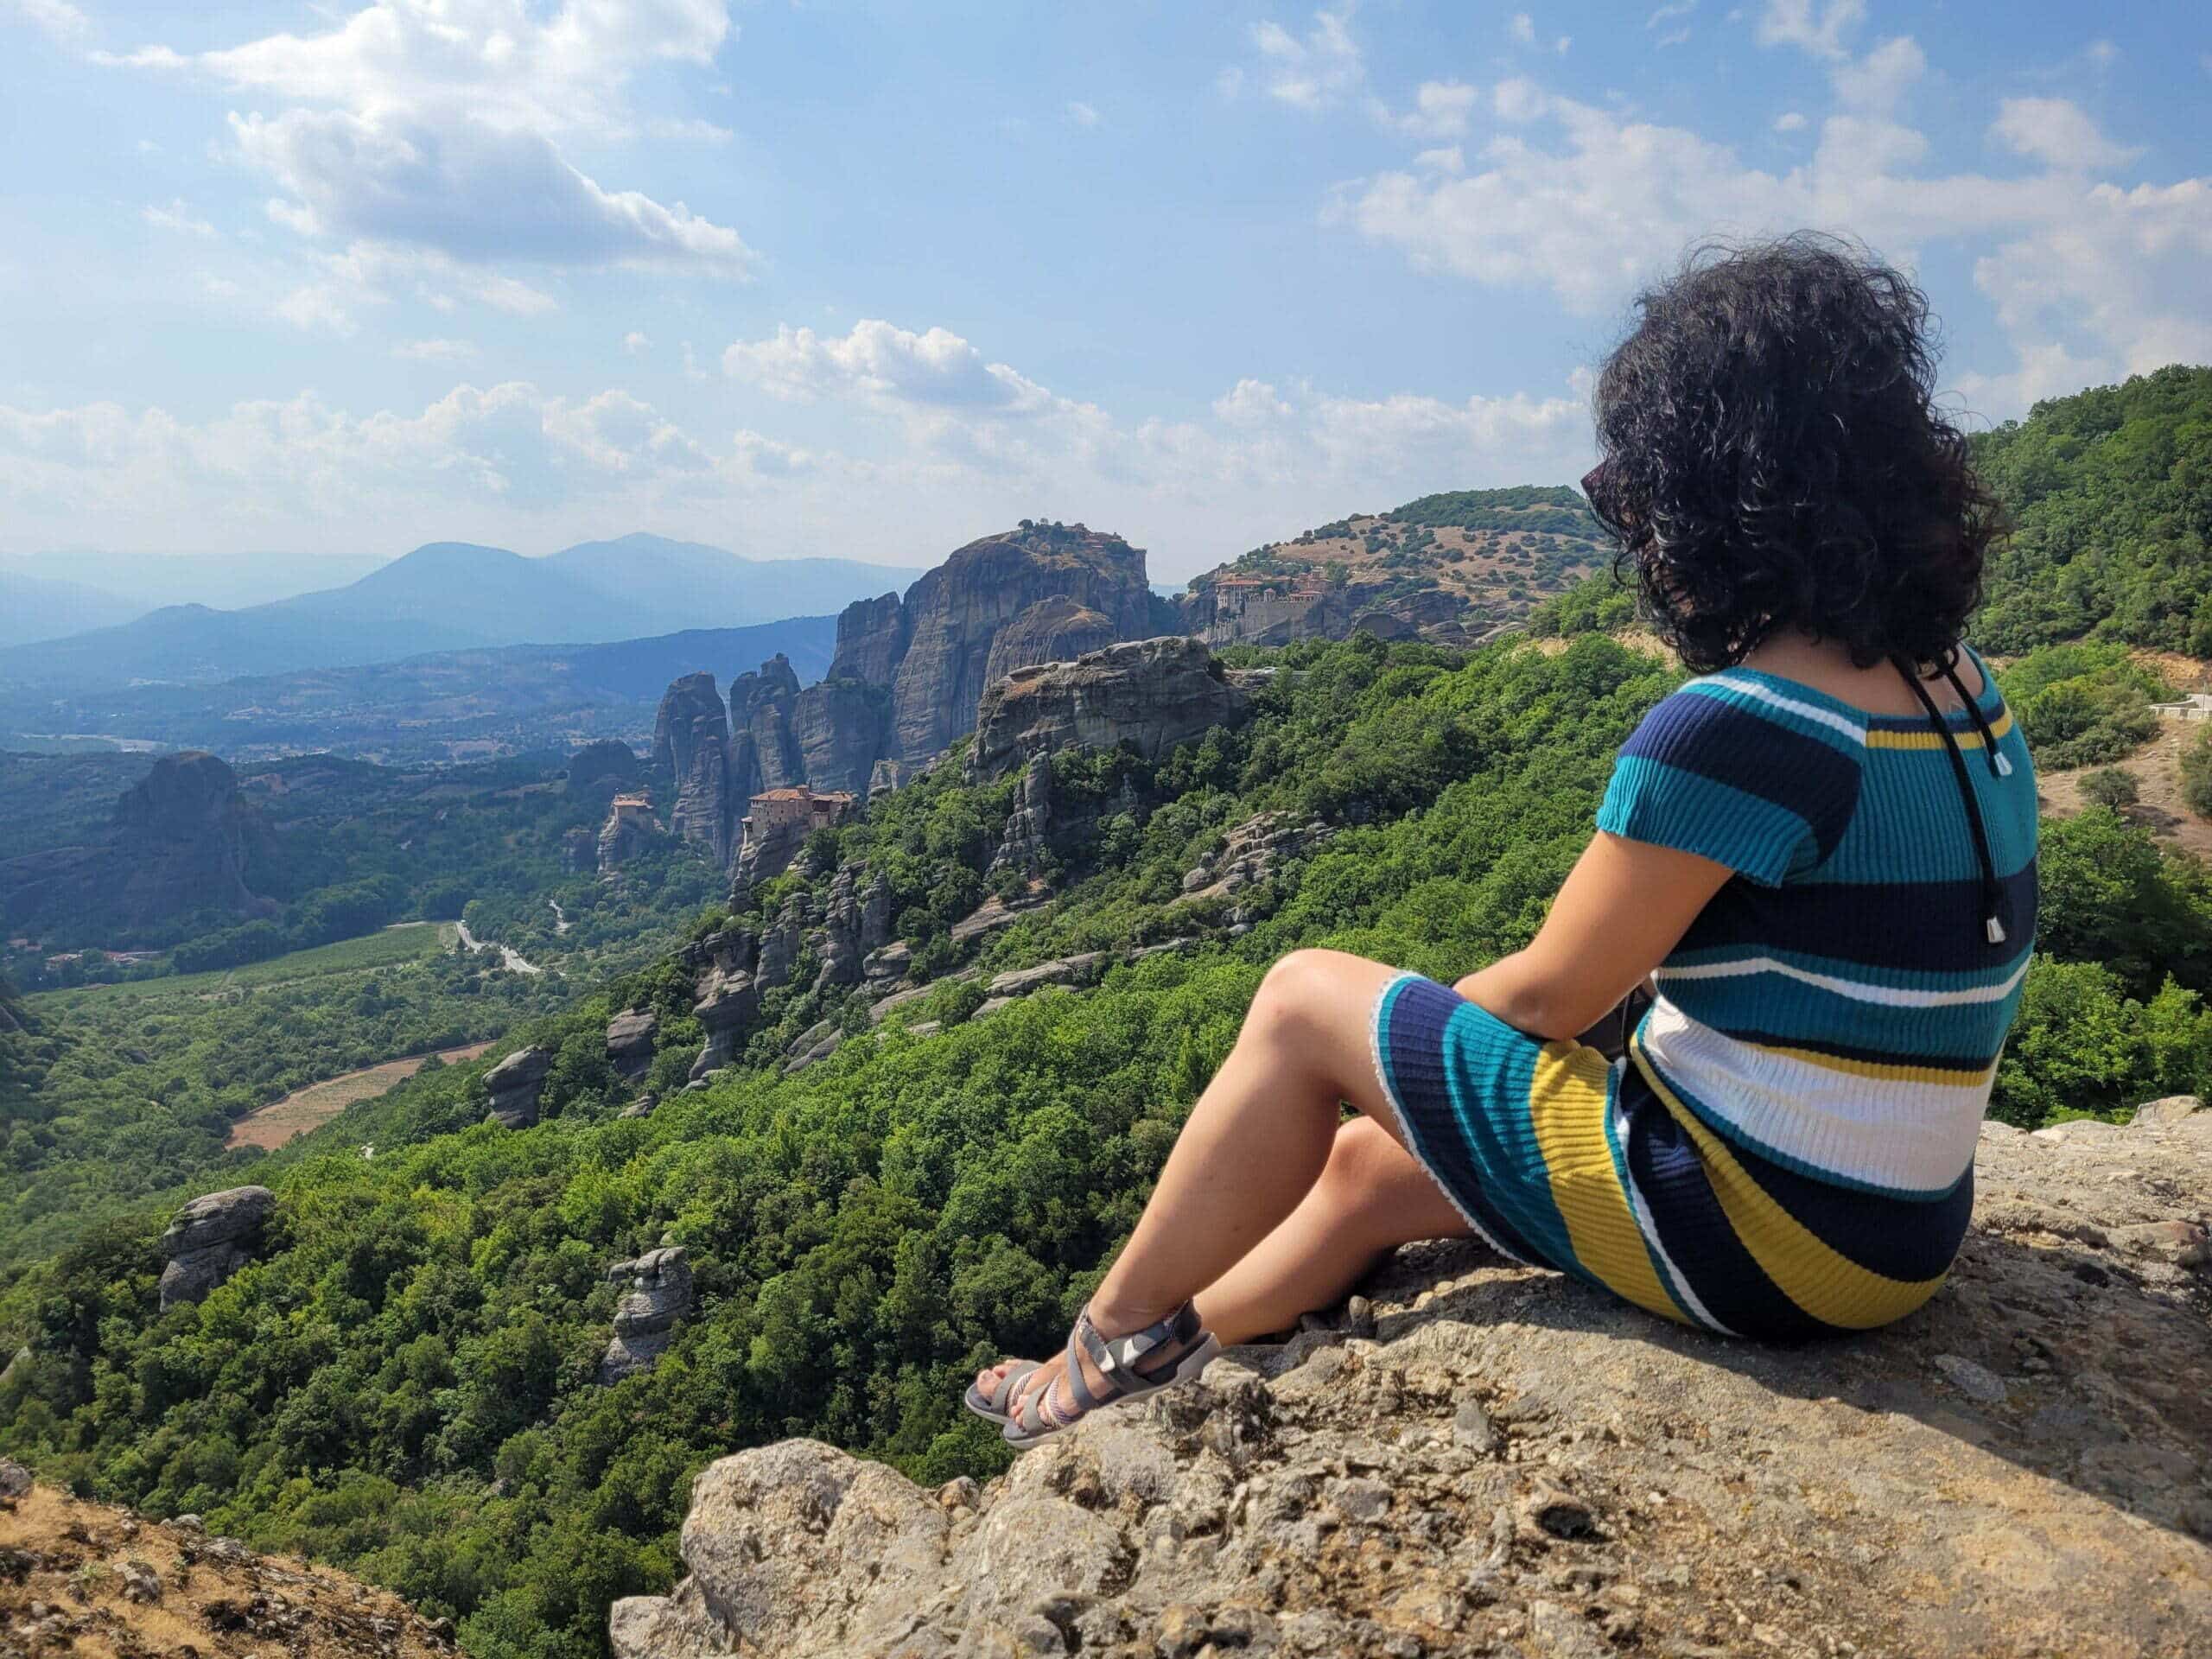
(1568, 1103)
(1932, 740)
(1950, 1077)
(1826, 1284)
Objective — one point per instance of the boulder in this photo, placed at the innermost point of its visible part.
(658, 1293)
(763, 755)
(1023, 845)
(995, 913)
(642, 1106)
(1055, 629)
(689, 709)
(1252, 852)
(887, 965)
(2167, 1113)
(210, 1239)
(1079, 969)
(515, 1084)
(728, 1000)
(630, 1041)
(1149, 693)
(1485, 1457)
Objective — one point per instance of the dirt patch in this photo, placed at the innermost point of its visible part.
(2156, 768)
(100, 1582)
(269, 1127)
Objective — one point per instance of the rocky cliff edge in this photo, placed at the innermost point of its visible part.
(1480, 1458)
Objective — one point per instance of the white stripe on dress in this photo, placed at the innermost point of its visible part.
(1849, 727)
(1857, 989)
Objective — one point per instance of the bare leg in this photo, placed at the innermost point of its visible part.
(1250, 1156)
(1372, 1196)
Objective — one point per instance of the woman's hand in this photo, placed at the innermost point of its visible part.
(1622, 909)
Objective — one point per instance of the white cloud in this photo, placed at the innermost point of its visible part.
(693, 130)
(175, 216)
(1877, 83)
(306, 462)
(1669, 12)
(1082, 113)
(436, 129)
(1440, 110)
(58, 19)
(635, 343)
(1313, 71)
(1523, 27)
(2057, 133)
(1588, 203)
(1789, 121)
(1817, 28)
(884, 365)
(436, 351)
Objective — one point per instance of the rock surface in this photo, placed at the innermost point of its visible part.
(1055, 629)
(210, 1239)
(1509, 1463)
(630, 1041)
(600, 769)
(1152, 694)
(953, 615)
(514, 1085)
(840, 729)
(97, 1581)
(657, 1295)
(692, 744)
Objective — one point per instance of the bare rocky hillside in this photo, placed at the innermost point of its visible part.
(96, 1582)
(1479, 1458)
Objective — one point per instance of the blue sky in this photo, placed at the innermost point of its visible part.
(872, 279)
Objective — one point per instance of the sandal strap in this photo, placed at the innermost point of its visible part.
(1120, 1359)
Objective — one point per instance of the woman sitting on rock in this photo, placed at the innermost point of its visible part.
(1821, 854)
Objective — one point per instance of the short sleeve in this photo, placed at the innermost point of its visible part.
(1719, 771)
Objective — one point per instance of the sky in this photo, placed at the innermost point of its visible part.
(871, 280)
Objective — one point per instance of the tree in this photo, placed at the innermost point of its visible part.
(2110, 786)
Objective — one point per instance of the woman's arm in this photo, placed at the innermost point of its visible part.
(1622, 909)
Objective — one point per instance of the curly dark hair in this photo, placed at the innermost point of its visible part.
(1772, 458)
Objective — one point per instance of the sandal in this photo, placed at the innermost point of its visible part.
(1131, 1366)
(998, 1404)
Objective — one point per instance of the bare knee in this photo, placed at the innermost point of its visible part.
(1298, 995)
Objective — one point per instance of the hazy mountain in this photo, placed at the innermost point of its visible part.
(681, 577)
(452, 596)
(438, 707)
(40, 607)
(147, 581)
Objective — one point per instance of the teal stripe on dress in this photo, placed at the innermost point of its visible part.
(1665, 807)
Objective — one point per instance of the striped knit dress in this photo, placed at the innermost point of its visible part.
(1788, 1146)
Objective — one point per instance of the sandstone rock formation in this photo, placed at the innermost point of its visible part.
(1055, 629)
(630, 1041)
(629, 830)
(727, 1000)
(210, 1239)
(840, 729)
(1251, 853)
(579, 851)
(935, 649)
(659, 1295)
(1477, 1457)
(1151, 694)
(692, 744)
(600, 769)
(182, 841)
(763, 753)
(515, 1084)
(871, 640)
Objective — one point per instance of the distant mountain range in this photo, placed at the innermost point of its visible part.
(145, 581)
(441, 597)
(437, 707)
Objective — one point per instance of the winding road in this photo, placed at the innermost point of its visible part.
(515, 961)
